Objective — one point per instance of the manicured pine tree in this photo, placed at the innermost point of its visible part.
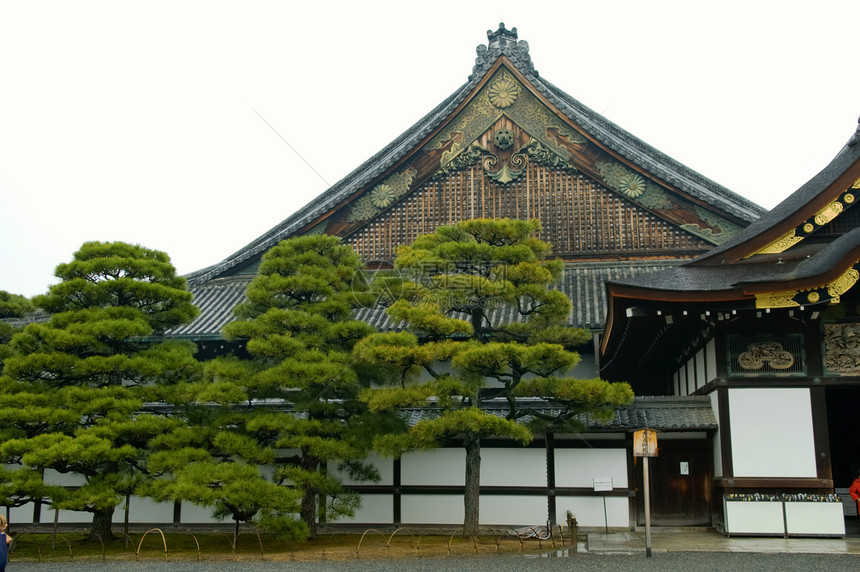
(101, 354)
(24, 414)
(214, 461)
(483, 319)
(299, 328)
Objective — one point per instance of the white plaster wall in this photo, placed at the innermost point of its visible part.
(431, 509)
(513, 467)
(374, 509)
(384, 466)
(53, 477)
(691, 375)
(718, 445)
(711, 361)
(145, 510)
(682, 372)
(771, 432)
(701, 375)
(435, 467)
(512, 510)
(586, 368)
(67, 516)
(507, 510)
(578, 467)
(196, 514)
(24, 514)
(589, 511)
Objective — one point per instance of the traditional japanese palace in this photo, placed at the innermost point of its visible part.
(766, 326)
(508, 144)
(734, 326)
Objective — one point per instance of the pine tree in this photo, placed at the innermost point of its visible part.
(102, 356)
(457, 283)
(298, 326)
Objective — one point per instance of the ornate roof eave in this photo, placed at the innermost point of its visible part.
(741, 282)
(817, 280)
(815, 203)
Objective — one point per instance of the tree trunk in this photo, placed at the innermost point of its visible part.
(101, 527)
(309, 496)
(473, 485)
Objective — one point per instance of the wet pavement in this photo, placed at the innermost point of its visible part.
(709, 540)
(673, 549)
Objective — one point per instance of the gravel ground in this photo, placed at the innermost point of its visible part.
(674, 561)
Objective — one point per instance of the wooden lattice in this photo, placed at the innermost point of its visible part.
(579, 216)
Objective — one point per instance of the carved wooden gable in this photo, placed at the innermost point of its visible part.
(509, 144)
(506, 153)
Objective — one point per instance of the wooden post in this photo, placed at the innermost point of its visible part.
(645, 445)
(647, 507)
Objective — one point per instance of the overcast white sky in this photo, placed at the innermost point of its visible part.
(138, 121)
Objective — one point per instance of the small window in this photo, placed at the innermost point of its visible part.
(758, 356)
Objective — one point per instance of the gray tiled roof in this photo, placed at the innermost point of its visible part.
(690, 413)
(583, 282)
(216, 300)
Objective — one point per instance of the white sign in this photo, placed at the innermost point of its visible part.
(685, 468)
(602, 483)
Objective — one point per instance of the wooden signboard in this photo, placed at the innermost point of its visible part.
(645, 443)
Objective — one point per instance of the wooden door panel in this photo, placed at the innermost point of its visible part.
(678, 499)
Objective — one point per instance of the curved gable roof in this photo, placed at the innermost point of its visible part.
(503, 49)
(840, 175)
(748, 262)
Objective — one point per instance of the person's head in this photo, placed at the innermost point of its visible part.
(3, 523)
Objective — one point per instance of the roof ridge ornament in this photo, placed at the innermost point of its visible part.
(502, 41)
(502, 36)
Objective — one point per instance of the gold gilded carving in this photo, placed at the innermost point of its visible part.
(509, 171)
(844, 283)
(782, 243)
(822, 217)
(503, 92)
(842, 348)
(632, 185)
(776, 300)
(381, 196)
(786, 299)
(470, 156)
(525, 110)
(828, 213)
(467, 127)
(544, 156)
(771, 353)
